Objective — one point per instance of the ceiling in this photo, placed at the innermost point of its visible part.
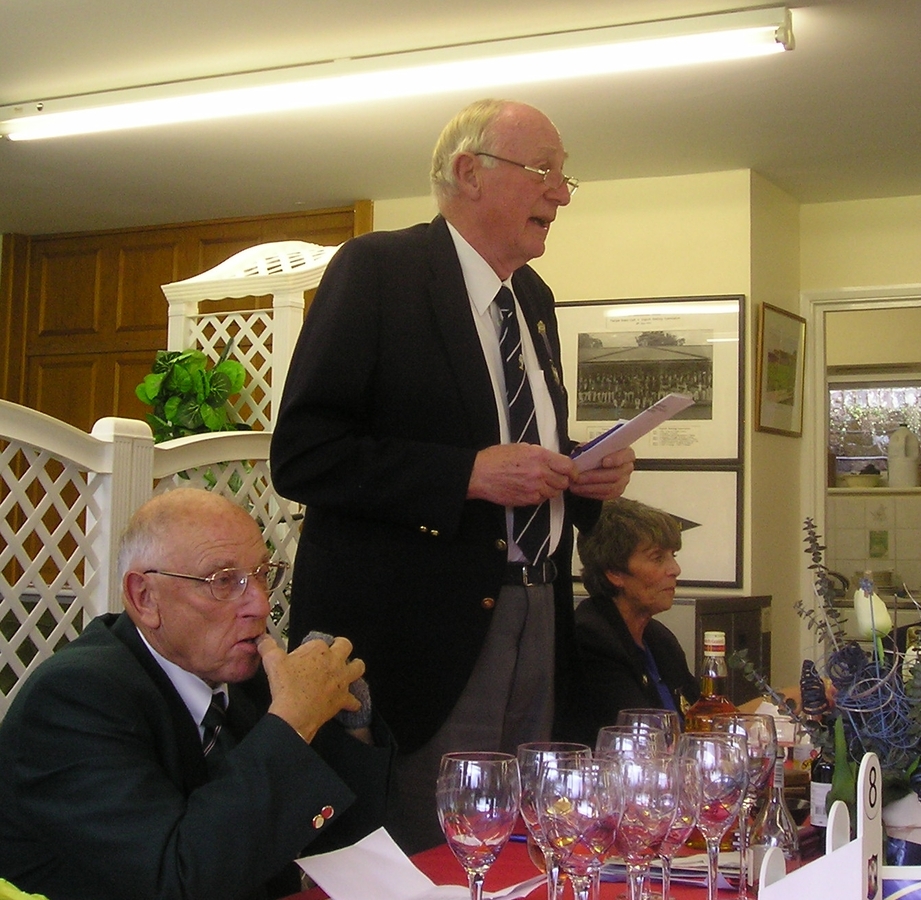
(839, 118)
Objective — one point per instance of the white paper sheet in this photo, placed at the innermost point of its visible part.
(377, 867)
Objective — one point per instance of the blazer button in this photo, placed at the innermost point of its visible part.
(488, 602)
(502, 544)
(434, 532)
(423, 529)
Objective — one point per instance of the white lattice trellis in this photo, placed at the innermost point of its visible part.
(65, 497)
(189, 462)
(263, 339)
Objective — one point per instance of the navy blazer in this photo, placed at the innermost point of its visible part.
(615, 670)
(105, 793)
(387, 402)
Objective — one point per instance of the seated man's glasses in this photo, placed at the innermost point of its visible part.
(552, 182)
(229, 584)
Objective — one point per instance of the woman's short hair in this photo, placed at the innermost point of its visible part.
(469, 131)
(623, 526)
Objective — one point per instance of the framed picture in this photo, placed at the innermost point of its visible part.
(621, 356)
(708, 506)
(781, 371)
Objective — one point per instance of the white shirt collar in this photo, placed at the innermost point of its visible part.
(482, 282)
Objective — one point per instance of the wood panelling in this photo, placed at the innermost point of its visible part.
(68, 281)
(90, 314)
(68, 387)
(141, 271)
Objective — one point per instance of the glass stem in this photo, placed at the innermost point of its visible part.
(747, 804)
(475, 881)
(581, 886)
(635, 880)
(554, 882)
(713, 855)
(666, 876)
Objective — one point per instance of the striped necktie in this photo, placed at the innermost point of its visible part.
(531, 524)
(212, 726)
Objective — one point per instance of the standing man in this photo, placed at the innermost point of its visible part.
(413, 446)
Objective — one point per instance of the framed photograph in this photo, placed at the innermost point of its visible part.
(781, 371)
(708, 506)
(621, 356)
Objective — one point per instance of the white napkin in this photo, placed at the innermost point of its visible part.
(377, 867)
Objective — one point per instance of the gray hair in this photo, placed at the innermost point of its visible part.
(468, 132)
(623, 526)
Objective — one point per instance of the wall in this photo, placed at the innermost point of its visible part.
(773, 464)
(861, 243)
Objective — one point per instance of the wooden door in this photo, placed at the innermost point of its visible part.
(95, 312)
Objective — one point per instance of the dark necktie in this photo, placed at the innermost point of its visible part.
(531, 524)
(215, 740)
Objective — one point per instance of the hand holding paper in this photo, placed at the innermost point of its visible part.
(589, 455)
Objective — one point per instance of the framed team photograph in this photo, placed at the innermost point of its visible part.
(621, 356)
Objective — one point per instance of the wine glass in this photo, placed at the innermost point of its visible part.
(629, 740)
(578, 806)
(761, 743)
(477, 795)
(650, 800)
(664, 720)
(684, 821)
(723, 762)
(531, 757)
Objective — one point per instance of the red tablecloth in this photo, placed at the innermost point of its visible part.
(512, 867)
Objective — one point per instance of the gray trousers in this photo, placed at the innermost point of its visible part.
(507, 701)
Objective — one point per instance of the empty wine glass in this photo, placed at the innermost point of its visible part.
(629, 740)
(684, 821)
(531, 757)
(578, 806)
(650, 800)
(761, 744)
(477, 795)
(664, 720)
(723, 763)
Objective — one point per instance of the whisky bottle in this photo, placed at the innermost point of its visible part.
(713, 680)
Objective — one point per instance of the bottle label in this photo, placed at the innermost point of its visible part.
(818, 792)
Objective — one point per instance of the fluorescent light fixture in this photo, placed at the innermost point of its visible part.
(565, 55)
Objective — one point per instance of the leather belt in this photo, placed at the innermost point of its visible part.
(524, 575)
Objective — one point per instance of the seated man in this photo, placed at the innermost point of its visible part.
(112, 785)
(629, 659)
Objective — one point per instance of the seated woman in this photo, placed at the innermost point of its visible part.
(629, 659)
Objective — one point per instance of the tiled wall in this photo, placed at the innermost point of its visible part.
(878, 531)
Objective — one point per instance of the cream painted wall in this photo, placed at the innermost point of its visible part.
(649, 237)
(854, 337)
(861, 243)
(773, 461)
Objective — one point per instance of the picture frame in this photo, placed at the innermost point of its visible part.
(708, 505)
(620, 356)
(781, 367)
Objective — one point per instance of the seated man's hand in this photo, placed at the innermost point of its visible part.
(310, 684)
(609, 480)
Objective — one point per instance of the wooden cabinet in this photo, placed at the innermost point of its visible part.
(91, 314)
(746, 622)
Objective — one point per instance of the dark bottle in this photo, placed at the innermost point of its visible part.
(823, 768)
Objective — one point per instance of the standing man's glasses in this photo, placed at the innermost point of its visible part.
(229, 584)
(553, 183)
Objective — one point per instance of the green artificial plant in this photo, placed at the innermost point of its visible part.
(189, 398)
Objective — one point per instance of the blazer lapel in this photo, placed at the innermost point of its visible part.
(192, 760)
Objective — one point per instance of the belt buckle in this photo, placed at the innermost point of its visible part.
(526, 571)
